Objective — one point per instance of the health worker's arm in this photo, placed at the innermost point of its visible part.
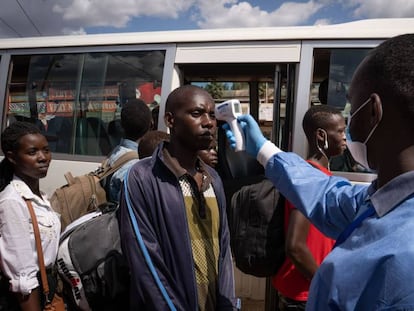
(329, 202)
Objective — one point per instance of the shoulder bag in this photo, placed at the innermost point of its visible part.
(56, 303)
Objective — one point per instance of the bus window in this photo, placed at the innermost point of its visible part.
(333, 70)
(76, 98)
(279, 136)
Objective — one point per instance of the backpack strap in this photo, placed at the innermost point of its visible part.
(143, 248)
(69, 178)
(105, 169)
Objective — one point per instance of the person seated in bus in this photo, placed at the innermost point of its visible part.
(179, 207)
(26, 160)
(306, 246)
(150, 141)
(135, 121)
(369, 267)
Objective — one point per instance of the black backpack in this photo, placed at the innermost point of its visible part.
(256, 222)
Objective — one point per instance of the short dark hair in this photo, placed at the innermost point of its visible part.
(316, 117)
(176, 97)
(389, 69)
(150, 141)
(135, 119)
(10, 140)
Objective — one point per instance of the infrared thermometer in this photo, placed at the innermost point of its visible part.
(229, 111)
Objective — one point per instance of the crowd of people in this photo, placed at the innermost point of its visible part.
(348, 247)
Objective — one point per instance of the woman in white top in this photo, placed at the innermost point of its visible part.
(26, 160)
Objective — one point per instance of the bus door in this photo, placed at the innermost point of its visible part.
(266, 91)
(260, 74)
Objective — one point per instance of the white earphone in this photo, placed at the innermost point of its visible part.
(325, 145)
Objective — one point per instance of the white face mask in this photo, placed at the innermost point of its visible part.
(359, 149)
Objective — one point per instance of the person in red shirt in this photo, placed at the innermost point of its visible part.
(306, 247)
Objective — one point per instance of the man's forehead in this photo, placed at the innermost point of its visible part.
(195, 99)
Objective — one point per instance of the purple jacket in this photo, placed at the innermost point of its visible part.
(158, 205)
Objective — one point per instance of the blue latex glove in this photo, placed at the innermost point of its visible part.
(252, 133)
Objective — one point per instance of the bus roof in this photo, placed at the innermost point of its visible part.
(363, 29)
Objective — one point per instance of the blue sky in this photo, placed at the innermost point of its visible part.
(21, 18)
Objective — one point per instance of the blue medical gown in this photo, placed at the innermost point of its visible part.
(374, 268)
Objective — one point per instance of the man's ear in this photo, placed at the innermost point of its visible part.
(321, 135)
(169, 119)
(376, 108)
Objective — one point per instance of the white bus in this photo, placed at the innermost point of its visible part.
(73, 87)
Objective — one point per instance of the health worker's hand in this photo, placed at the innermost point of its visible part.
(252, 133)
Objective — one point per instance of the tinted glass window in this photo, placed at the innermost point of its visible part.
(333, 71)
(76, 98)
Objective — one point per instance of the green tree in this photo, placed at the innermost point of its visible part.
(239, 85)
(215, 89)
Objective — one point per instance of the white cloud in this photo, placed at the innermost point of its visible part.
(382, 8)
(225, 14)
(40, 19)
(71, 31)
(323, 21)
(55, 17)
(118, 13)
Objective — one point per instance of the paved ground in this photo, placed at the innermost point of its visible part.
(252, 305)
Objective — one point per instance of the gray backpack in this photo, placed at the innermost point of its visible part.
(91, 264)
